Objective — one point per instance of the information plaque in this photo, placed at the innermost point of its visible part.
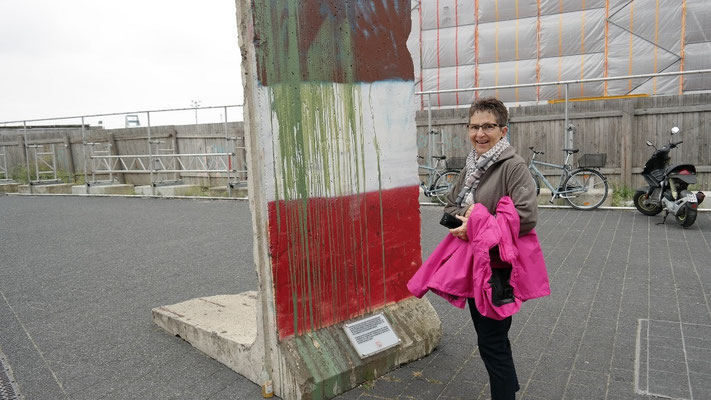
(371, 335)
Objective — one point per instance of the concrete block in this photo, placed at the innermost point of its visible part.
(323, 364)
(8, 187)
(221, 191)
(223, 327)
(171, 190)
(122, 188)
(54, 188)
(318, 365)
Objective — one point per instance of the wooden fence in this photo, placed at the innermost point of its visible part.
(617, 127)
(180, 139)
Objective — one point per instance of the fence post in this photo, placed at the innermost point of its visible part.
(21, 143)
(86, 159)
(627, 130)
(27, 155)
(428, 161)
(150, 153)
(70, 156)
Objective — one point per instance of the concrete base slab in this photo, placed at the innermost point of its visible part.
(324, 364)
(318, 365)
(171, 190)
(221, 191)
(121, 188)
(223, 327)
(8, 187)
(54, 188)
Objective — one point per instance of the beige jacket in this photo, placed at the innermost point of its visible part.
(508, 176)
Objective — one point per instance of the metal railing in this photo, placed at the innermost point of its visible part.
(567, 128)
(157, 163)
(45, 156)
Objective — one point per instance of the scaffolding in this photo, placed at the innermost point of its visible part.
(488, 43)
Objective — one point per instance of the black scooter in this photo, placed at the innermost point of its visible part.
(667, 190)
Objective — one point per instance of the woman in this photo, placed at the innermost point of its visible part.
(493, 170)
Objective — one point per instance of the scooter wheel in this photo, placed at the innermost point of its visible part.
(642, 206)
(686, 216)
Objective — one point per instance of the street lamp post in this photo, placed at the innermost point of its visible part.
(195, 104)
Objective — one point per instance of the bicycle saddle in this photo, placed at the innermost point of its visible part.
(572, 151)
(439, 157)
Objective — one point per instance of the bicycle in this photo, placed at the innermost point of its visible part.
(440, 178)
(583, 188)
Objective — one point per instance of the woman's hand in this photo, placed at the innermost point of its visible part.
(461, 231)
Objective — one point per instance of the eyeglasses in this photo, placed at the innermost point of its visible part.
(487, 128)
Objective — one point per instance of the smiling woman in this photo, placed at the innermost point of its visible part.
(496, 178)
(116, 56)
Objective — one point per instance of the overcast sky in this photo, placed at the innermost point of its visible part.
(80, 57)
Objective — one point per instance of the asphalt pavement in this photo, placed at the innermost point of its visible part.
(629, 316)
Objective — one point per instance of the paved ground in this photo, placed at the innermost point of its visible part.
(79, 276)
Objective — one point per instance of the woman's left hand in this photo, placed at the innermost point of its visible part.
(461, 231)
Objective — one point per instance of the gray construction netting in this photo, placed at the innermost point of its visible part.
(480, 43)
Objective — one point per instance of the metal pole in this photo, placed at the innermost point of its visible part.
(27, 155)
(54, 161)
(565, 127)
(428, 162)
(86, 160)
(37, 174)
(229, 157)
(150, 153)
(93, 163)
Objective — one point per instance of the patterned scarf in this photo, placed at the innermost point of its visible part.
(476, 166)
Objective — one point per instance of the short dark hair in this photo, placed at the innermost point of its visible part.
(494, 106)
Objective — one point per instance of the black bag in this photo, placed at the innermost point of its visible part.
(450, 221)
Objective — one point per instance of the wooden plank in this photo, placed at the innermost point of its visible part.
(674, 110)
(558, 117)
(627, 126)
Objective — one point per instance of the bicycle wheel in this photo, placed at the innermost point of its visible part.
(537, 181)
(585, 189)
(443, 185)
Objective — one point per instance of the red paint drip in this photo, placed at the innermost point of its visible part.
(337, 258)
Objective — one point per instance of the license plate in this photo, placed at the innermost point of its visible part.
(691, 198)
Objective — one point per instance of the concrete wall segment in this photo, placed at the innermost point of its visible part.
(329, 94)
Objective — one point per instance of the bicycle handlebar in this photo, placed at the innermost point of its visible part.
(536, 152)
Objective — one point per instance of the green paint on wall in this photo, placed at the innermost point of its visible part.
(319, 146)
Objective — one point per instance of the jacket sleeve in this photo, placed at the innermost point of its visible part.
(522, 190)
(451, 206)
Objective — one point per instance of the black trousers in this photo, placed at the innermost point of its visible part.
(495, 350)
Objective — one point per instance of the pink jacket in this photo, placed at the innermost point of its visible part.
(458, 270)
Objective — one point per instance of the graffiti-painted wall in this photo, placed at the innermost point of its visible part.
(337, 133)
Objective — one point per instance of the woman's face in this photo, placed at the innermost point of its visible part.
(484, 131)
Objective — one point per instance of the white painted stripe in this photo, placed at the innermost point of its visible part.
(379, 152)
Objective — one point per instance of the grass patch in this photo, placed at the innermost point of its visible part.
(621, 195)
(19, 174)
(200, 191)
